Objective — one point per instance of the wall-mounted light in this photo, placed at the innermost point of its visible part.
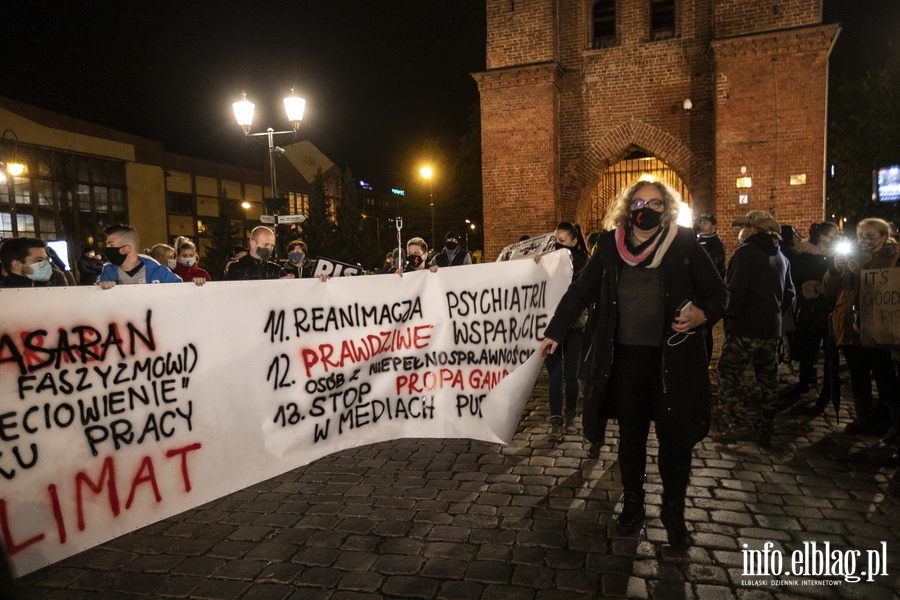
(687, 104)
(13, 166)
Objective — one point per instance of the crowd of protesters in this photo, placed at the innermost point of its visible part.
(633, 332)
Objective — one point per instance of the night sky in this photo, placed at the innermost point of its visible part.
(385, 81)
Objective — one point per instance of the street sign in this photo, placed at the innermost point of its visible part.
(267, 219)
(291, 218)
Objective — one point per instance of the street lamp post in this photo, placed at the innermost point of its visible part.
(426, 173)
(293, 106)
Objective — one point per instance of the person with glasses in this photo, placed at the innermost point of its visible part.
(875, 249)
(653, 288)
(814, 257)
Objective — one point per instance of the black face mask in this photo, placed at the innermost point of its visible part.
(413, 261)
(451, 245)
(114, 256)
(645, 218)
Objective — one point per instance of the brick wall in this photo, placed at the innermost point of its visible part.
(556, 112)
(770, 118)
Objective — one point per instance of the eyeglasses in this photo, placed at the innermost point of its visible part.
(871, 236)
(653, 204)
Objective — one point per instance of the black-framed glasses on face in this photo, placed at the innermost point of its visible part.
(870, 237)
(652, 204)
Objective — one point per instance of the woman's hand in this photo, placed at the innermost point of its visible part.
(548, 347)
(693, 319)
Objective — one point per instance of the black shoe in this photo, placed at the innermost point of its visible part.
(594, 450)
(672, 517)
(632, 516)
(797, 391)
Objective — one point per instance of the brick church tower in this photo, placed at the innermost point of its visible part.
(582, 97)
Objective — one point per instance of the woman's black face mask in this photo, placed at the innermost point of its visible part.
(645, 218)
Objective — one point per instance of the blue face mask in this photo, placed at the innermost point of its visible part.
(295, 257)
(40, 271)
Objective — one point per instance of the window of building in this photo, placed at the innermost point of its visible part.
(63, 196)
(179, 203)
(604, 19)
(662, 19)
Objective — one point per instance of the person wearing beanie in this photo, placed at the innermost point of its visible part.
(453, 254)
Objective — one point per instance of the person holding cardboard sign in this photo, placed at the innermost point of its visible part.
(874, 249)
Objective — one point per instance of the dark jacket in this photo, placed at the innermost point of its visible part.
(713, 245)
(20, 281)
(460, 257)
(254, 268)
(689, 275)
(759, 289)
(807, 270)
(89, 270)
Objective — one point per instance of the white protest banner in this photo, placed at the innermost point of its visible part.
(879, 307)
(122, 407)
(335, 268)
(528, 248)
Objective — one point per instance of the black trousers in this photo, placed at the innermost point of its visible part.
(637, 386)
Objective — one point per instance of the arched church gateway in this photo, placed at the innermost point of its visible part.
(582, 97)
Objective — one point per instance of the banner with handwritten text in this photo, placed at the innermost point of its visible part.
(122, 407)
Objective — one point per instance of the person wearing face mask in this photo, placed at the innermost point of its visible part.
(876, 249)
(89, 267)
(647, 365)
(25, 262)
(563, 364)
(298, 263)
(813, 259)
(256, 263)
(126, 266)
(760, 290)
(453, 254)
(186, 265)
(416, 255)
(164, 254)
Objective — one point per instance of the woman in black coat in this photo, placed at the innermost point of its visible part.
(647, 361)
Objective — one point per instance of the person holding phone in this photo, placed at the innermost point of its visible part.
(760, 290)
(647, 363)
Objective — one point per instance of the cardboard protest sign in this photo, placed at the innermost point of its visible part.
(528, 248)
(879, 307)
(122, 407)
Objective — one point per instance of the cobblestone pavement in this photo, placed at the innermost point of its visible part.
(446, 519)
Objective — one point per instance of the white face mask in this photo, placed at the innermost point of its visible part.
(40, 271)
(188, 262)
(171, 263)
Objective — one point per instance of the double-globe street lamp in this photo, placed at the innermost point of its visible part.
(293, 106)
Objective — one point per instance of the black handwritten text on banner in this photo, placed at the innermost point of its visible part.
(122, 407)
